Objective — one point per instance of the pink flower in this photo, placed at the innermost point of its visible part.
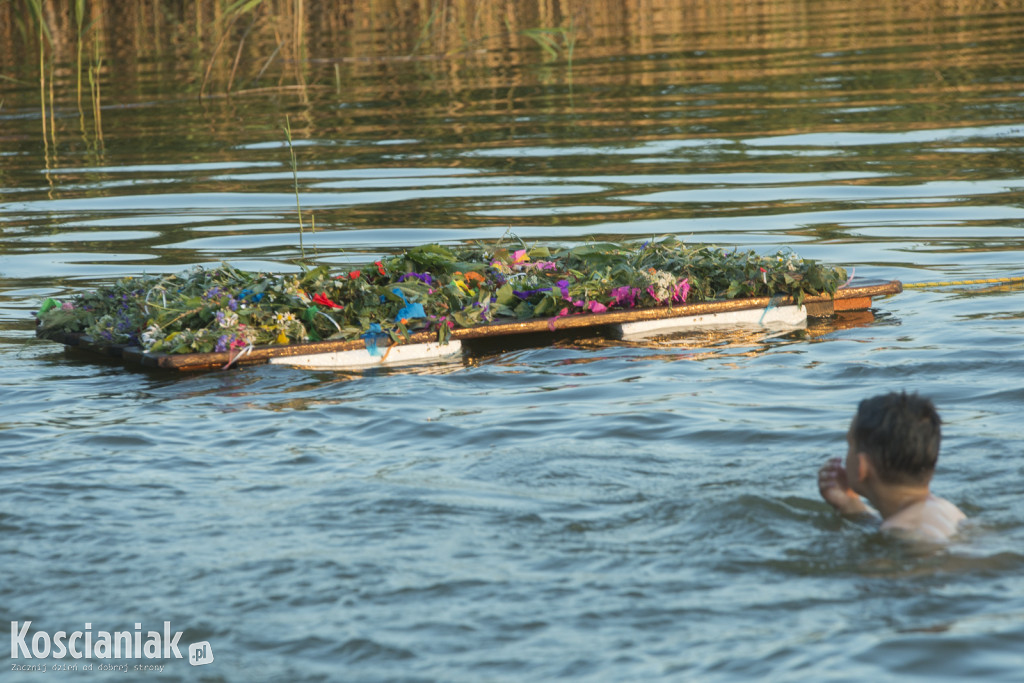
(561, 314)
(596, 307)
(682, 289)
(622, 296)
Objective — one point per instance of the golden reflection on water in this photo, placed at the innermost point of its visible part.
(743, 113)
(895, 49)
(698, 344)
(502, 76)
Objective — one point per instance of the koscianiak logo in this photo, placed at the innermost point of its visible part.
(35, 650)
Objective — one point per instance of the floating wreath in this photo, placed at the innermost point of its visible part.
(431, 287)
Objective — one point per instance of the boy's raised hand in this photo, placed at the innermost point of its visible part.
(835, 489)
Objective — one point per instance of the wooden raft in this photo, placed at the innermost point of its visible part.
(610, 324)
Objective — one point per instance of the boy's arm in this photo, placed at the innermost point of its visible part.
(835, 489)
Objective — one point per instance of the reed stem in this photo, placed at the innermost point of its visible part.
(42, 72)
(295, 179)
(79, 18)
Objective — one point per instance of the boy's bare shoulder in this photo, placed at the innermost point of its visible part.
(934, 519)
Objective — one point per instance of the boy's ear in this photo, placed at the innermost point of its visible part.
(865, 468)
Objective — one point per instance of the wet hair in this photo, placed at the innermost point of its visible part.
(901, 435)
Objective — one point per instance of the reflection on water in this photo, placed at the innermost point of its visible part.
(590, 509)
(621, 154)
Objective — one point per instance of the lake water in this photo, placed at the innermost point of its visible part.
(588, 511)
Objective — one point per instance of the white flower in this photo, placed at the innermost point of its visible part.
(151, 335)
(227, 319)
(282, 319)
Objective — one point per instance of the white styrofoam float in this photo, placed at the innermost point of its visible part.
(410, 354)
(404, 354)
(776, 317)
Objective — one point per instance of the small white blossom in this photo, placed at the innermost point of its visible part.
(151, 335)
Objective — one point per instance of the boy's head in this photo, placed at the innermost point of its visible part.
(900, 433)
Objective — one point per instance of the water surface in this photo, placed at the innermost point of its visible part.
(589, 510)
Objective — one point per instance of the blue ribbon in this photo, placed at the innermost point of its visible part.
(772, 303)
(409, 311)
(372, 336)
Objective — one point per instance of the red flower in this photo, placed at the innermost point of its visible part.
(354, 274)
(322, 299)
(380, 268)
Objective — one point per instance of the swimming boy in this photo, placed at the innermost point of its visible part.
(893, 447)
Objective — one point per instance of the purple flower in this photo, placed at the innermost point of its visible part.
(526, 294)
(425, 278)
(222, 343)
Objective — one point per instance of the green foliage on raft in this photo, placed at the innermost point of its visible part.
(430, 287)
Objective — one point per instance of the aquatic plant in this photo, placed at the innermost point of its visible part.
(45, 45)
(234, 12)
(295, 181)
(428, 288)
(554, 41)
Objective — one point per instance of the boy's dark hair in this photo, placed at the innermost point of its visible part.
(900, 434)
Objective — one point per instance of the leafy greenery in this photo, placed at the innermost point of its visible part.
(431, 287)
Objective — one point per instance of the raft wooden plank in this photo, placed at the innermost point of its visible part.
(852, 304)
(850, 298)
